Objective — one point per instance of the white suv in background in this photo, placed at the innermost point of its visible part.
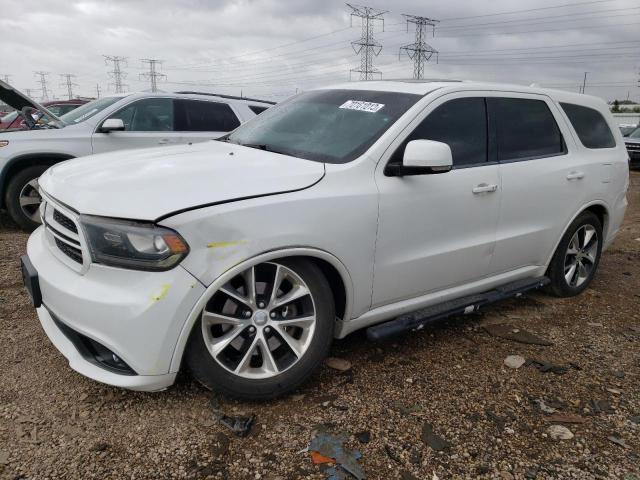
(115, 122)
(379, 205)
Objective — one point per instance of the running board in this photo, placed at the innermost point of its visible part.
(417, 320)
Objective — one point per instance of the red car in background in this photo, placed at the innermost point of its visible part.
(58, 108)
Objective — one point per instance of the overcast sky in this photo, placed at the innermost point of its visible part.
(270, 48)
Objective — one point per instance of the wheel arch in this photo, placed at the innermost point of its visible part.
(27, 160)
(336, 272)
(599, 208)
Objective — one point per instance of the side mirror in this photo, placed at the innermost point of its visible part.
(112, 125)
(422, 157)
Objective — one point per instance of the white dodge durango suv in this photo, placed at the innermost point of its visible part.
(379, 205)
(115, 122)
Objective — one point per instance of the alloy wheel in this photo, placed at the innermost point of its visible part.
(30, 200)
(581, 255)
(261, 322)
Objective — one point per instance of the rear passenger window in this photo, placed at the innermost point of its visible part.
(590, 125)
(461, 124)
(525, 129)
(201, 116)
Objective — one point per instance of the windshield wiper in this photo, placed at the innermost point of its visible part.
(263, 146)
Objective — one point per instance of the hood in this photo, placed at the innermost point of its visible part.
(18, 100)
(631, 140)
(154, 183)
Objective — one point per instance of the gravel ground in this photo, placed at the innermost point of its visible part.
(56, 424)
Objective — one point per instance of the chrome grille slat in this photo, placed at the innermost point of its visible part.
(63, 234)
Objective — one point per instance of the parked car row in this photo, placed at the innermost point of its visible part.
(115, 122)
(14, 120)
(380, 205)
(632, 142)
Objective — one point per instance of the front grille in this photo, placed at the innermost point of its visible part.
(73, 253)
(65, 221)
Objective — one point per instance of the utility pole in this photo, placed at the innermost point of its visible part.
(6, 78)
(117, 74)
(367, 47)
(43, 84)
(584, 82)
(152, 75)
(68, 83)
(97, 90)
(28, 92)
(419, 51)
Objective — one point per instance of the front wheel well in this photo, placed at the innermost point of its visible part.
(20, 163)
(335, 282)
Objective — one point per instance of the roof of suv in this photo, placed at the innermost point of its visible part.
(426, 86)
(191, 94)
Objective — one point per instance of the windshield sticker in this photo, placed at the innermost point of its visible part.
(362, 106)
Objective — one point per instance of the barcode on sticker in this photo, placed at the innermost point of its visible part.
(362, 106)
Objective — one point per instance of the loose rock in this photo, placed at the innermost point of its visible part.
(339, 364)
(559, 432)
(514, 361)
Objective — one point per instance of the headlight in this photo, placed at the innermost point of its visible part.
(135, 245)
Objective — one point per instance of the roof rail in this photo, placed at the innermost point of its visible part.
(232, 97)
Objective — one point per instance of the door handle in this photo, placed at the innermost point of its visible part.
(163, 141)
(484, 188)
(575, 176)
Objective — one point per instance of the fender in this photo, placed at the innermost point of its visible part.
(55, 157)
(600, 203)
(194, 315)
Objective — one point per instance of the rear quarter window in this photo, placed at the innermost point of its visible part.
(590, 125)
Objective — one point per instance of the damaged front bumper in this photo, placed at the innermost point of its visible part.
(134, 317)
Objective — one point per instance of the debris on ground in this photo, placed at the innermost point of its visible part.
(566, 418)
(614, 391)
(559, 432)
(435, 441)
(4, 458)
(364, 436)
(601, 406)
(635, 419)
(516, 334)
(100, 447)
(240, 425)
(392, 454)
(618, 441)
(327, 446)
(545, 366)
(543, 406)
(339, 364)
(514, 361)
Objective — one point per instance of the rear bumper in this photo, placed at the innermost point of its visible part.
(136, 315)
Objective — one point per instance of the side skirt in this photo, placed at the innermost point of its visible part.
(416, 320)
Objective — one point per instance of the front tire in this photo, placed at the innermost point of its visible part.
(264, 332)
(23, 198)
(576, 259)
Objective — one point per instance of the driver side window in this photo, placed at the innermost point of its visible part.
(147, 115)
(460, 123)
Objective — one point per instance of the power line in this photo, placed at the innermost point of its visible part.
(528, 10)
(117, 74)
(152, 75)
(43, 84)
(419, 51)
(68, 83)
(367, 47)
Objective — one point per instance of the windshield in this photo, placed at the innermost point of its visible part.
(9, 117)
(88, 110)
(635, 133)
(332, 126)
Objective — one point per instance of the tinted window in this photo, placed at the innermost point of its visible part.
(590, 125)
(200, 116)
(148, 115)
(525, 129)
(461, 124)
(257, 110)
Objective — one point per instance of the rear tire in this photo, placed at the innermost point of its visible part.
(23, 199)
(295, 324)
(576, 259)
